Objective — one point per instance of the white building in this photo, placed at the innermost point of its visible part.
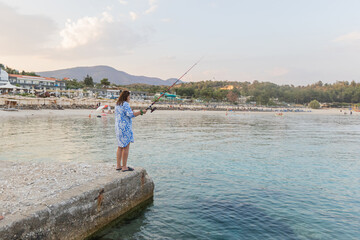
(138, 96)
(113, 93)
(4, 77)
(40, 83)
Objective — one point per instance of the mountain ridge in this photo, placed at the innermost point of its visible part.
(102, 71)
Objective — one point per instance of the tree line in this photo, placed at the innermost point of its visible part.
(265, 93)
(87, 82)
(10, 70)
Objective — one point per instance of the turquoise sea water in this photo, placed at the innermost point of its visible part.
(241, 176)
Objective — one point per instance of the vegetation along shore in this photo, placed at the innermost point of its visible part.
(246, 94)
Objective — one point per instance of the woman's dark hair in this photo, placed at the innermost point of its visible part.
(123, 97)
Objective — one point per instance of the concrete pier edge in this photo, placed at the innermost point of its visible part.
(81, 211)
(136, 211)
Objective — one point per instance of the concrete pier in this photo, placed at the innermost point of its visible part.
(66, 200)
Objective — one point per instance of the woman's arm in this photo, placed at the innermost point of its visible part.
(129, 112)
(139, 112)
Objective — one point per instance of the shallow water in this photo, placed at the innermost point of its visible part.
(241, 176)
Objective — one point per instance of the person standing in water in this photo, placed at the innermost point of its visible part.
(123, 129)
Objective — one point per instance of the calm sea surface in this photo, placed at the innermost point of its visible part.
(241, 176)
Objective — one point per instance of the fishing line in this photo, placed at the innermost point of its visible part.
(154, 108)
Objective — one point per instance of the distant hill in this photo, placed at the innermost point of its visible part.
(100, 72)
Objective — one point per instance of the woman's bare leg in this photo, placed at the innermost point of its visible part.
(125, 154)
(118, 157)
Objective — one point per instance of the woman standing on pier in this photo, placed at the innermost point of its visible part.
(123, 129)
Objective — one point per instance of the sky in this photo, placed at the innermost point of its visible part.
(295, 42)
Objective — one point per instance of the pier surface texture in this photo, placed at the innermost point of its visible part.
(66, 200)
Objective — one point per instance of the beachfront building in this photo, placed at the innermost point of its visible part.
(37, 83)
(4, 77)
(97, 93)
(114, 93)
(167, 96)
(104, 93)
(243, 99)
(138, 96)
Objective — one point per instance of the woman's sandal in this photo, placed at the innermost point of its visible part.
(128, 170)
(118, 169)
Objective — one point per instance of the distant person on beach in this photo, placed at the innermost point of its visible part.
(123, 129)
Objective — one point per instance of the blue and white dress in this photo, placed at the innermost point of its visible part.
(123, 124)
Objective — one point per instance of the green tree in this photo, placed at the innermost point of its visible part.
(98, 85)
(185, 91)
(88, 81)
(74, 84)
(29, 73)
(105, 82)
(220, 94)
(207, 93)
(11, 71)
(314, 104)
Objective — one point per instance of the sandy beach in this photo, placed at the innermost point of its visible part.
(84, 106)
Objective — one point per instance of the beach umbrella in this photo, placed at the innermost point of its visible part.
(9, 86)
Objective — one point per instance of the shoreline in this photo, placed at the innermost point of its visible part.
(33, 103)
(87, 112)
(27, 106)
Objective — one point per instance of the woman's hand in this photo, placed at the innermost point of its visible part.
(141, 112)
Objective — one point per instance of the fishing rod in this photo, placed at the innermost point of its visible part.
(151, 105)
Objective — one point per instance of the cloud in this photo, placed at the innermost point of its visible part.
(123, 2)
(79, 33)
(100, 36)
(24, 34)
(107, 17)
(133, 16)
(83, 30)
(166, 20)
(349, 38)
(153, 6)
(85, 38)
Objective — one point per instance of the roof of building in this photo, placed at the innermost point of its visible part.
(34, 77)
